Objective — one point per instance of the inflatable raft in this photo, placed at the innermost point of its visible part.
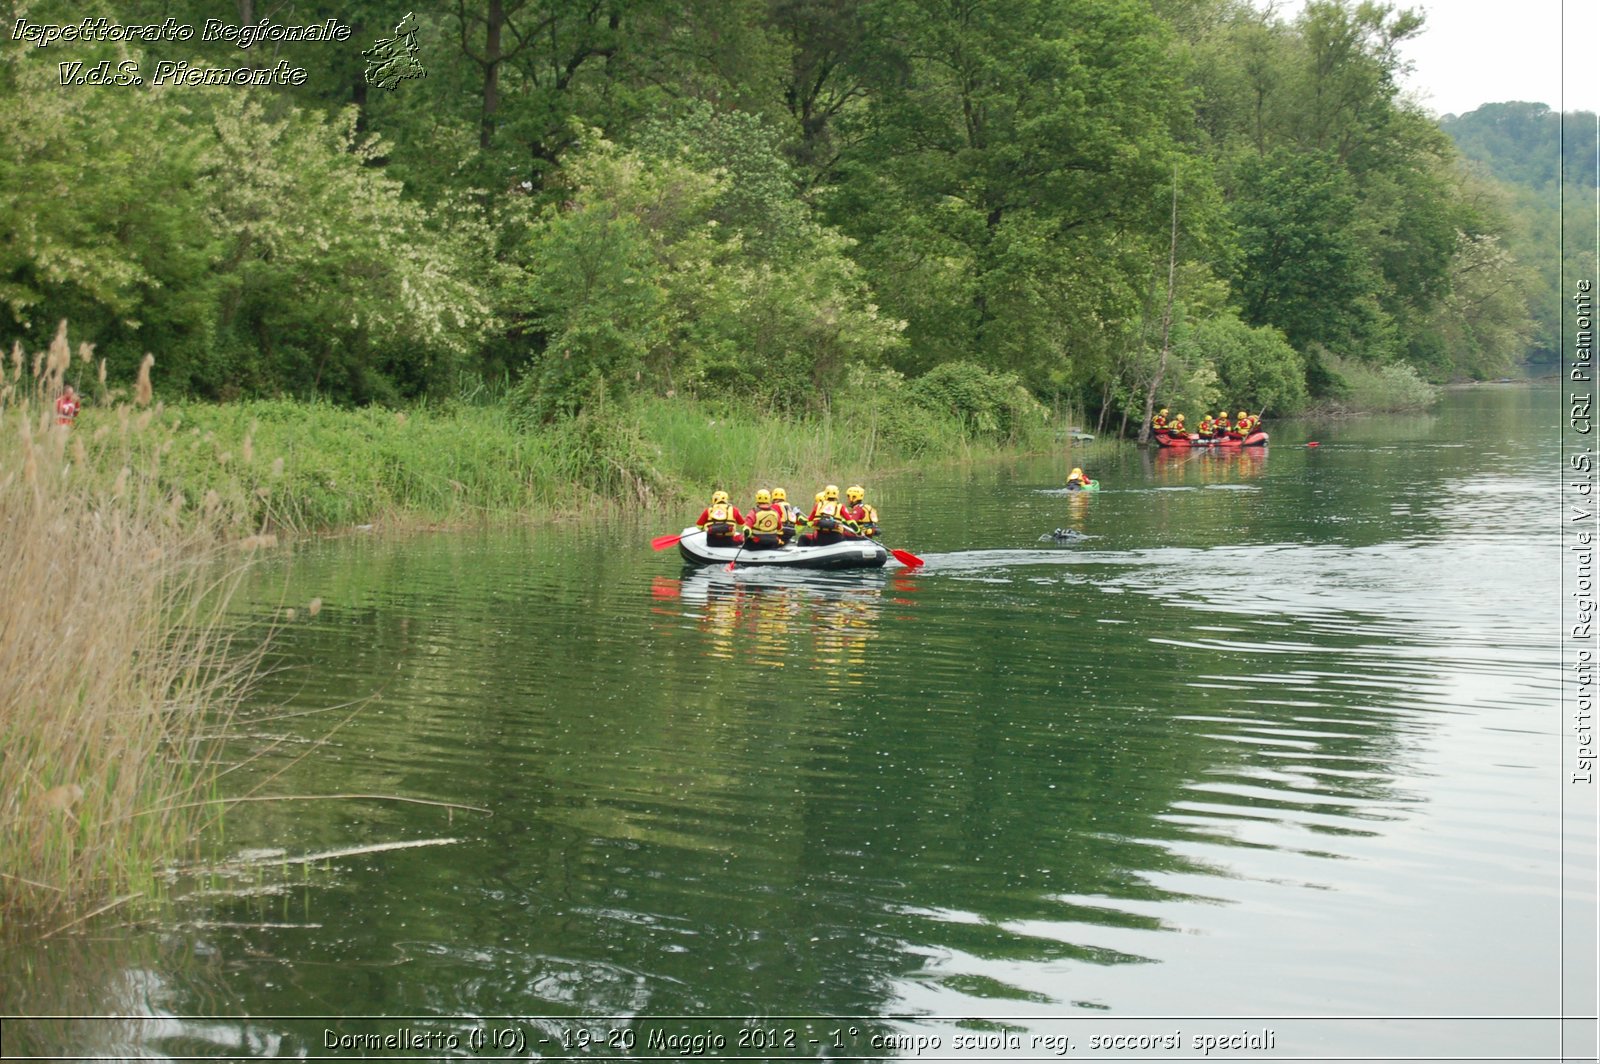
(851, 553)
(1167, 439)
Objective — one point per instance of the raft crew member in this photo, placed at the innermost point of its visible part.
(721, 522)
(1247, 423)
(858, 514)
(1176, 428)
(1077, 479)
(764, 524)
(1159, 422)
(1221, 428)
(780, 502)
(809, 536)
(67, 407)
(1207, 427)
(825, 517)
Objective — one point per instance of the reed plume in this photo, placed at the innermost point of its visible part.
(142, 392)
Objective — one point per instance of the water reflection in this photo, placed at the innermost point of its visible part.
(1204, 465)
(821, 622)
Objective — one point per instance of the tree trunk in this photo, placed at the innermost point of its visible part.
(1166, 317)
(494, 21)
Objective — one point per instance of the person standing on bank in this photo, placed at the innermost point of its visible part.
(67, 406)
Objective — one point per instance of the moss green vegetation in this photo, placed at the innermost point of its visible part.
(1355, 387)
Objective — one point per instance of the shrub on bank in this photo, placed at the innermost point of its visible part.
(876, 419)
(991, 406)
(1360, 387)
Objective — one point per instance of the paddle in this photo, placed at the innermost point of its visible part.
(744, 540)
(663, 542)
(906, 558)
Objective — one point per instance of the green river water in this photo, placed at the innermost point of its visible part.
(1272, 754)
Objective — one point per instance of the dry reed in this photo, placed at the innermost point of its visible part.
(115, 661)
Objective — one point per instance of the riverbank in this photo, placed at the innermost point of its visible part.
(278, 466)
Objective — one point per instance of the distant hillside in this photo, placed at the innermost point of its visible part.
(1536, 154)
(1521, 143)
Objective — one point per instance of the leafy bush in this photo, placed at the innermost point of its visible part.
(609, 455)
(1358, 387)
(1255, 367)
(991, 405)
(876, 404)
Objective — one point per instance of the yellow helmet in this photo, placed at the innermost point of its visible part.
(1076, 472)
(822, 496)
(855, 493)
(1243, 414)
(1163, 410)
(831, 493)
(763, 496)
(778, 495)
(719, 497)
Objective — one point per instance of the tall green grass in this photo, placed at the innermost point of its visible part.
(331, 467)
(301, 467)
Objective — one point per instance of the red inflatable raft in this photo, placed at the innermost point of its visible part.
(1167, 439)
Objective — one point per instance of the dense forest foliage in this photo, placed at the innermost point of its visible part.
(1545, 163)
(758, 201)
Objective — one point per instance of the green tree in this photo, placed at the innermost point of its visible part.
(1544, 162)
(257, 251)
(1005, 183)
(635, 283)
(1301, 267)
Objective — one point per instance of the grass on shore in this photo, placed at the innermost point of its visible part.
(334, 467)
